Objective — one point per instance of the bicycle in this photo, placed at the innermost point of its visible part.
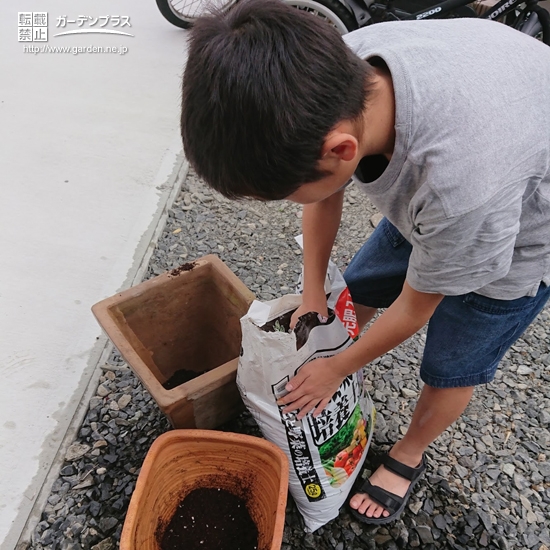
(348, 15)
(183, 13)
(527, 16)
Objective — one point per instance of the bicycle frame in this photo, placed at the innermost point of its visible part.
(501, 8)
(362, 11)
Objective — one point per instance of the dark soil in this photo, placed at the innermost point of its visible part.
(306, 323)
(281, 322)
(184, 267)
(180, 377)
(210, 519)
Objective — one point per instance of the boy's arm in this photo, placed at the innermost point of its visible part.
(320, 223)
(316, 382)
(406, 316)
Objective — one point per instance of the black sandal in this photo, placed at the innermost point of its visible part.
(394, 504)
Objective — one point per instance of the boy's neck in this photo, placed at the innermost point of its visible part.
(377, 136)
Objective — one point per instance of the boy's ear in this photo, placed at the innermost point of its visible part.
(341, 146)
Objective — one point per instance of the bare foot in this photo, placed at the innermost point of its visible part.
(386, 480)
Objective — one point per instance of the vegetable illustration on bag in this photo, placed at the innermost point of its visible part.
(325, 452)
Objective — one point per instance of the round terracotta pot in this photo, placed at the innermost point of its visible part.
(180, 461)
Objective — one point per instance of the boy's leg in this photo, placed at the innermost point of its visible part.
(375, 278)
(376, 274)
(364, 314)
(467, 337)
(435, 411)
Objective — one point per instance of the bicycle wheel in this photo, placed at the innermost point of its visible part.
(535, 23)
(183, 13)
(332, 11)
(544, 21)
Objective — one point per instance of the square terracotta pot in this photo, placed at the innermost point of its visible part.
(183, 460)
(187, 318)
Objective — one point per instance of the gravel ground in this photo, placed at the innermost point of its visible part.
(488, 481)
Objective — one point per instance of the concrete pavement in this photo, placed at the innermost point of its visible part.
(90, 154)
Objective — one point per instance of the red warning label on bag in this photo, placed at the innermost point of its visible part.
(346, 313)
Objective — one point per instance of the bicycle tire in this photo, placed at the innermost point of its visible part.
(522, 22)
(544, 19)
(332, 11)
(185, 20)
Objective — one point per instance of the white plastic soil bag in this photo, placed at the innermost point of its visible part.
(325, 453)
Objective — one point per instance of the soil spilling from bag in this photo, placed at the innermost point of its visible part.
(180, 377)
(210, 519)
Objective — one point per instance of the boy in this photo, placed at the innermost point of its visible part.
(445, 126)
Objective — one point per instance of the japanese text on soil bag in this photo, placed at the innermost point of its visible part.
(346, 312)
(336, 413)
(299, 449)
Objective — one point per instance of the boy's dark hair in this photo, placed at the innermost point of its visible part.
(263, 86)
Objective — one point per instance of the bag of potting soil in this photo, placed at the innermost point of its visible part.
(325, 453)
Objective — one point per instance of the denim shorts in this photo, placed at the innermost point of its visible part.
(467, 335)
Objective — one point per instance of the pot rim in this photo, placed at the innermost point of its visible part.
(182, 435)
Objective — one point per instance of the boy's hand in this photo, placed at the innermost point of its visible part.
(319, 306)
(312, 388)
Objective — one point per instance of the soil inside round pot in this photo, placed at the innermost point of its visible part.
(210, 519)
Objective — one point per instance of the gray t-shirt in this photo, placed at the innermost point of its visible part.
(468, 184)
